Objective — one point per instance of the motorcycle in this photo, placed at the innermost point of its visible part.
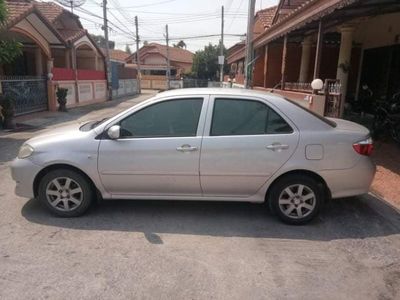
(387, 118)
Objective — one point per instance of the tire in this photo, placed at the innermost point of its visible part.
(65, 193)
(291, 208)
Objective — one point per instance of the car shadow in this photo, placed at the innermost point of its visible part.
(340, 219)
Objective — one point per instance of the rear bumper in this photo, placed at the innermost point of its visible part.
(350, 182)
(23, 172)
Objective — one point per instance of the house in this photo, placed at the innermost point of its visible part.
(57, 51)
(236, 54)
(346, 43)
(123, 78)
(153, 64)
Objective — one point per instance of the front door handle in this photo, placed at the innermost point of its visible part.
(186, 148)
(277, 147)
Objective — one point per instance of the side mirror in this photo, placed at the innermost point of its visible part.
(114, 132)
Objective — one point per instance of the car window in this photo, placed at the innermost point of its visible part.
(246, 117)
(172, 118)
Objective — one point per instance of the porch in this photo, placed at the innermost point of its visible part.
(51, 56)
(338, 42)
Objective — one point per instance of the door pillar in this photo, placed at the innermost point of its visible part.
(305, 58)
(346, 45)
(39, 62)
(67, 54)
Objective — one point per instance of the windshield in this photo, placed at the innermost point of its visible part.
(323, 119)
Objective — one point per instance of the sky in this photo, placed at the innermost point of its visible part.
(185, 18)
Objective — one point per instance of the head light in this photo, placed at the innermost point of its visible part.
(25, 151)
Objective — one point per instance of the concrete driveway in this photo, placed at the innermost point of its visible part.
(191, 250)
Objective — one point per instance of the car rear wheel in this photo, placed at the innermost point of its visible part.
(65, 193)
(296, 199)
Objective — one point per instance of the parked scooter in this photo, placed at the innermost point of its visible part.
(387, 118)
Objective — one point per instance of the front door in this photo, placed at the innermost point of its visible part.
(158, 151)
(246, 142)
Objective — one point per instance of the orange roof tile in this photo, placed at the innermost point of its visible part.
(175, 54)
(267, 15)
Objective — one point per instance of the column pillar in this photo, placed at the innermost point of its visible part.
(305, 59)
(67, 54)
(284, 57)
(38, 62)
(265, 65)
(96, 62)
(342, 74)
(50, 63)
(318, 50)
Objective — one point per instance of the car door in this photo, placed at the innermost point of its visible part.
(245, 142)
(157, 152)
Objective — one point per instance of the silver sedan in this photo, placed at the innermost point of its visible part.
(200, 144)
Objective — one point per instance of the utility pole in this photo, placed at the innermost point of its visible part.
(139, 75)
(108, 64)
(249, 45)
(168, 65)
(222, 59)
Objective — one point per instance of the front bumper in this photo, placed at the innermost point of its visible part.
(23, 172)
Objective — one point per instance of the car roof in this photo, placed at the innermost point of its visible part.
(218, 91)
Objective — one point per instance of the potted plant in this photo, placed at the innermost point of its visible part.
(7, 114)
(62, 98)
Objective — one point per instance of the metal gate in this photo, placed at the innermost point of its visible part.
(333, 98)
(28, 92)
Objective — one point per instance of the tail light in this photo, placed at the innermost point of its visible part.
(364, 147)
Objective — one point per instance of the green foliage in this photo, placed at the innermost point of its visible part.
(61, 95)
(7, 106)
(205, 62)
(128, 49)
(101, 42)
(3, 13)
(181, 44)
(9, 49)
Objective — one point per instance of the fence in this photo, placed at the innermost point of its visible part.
(29, 92)
(126, 87)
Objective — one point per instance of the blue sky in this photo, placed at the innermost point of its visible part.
(185, 18)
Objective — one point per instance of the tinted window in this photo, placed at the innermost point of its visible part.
(172, 118)
(323, 119)
(245, 117)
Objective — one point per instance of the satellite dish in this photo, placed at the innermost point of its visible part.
(71, 3)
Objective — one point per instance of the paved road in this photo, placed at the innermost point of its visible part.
(191, 250)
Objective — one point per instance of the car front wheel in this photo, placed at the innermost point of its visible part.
(296, 199)
(65, 193)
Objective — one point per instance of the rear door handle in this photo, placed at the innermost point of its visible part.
(277, 147)
(186, 148)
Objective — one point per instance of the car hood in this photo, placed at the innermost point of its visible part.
(60, 134)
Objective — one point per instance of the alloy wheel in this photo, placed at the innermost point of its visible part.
(64, 193)
(297, 201)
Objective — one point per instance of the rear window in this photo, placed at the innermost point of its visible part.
(323, 119)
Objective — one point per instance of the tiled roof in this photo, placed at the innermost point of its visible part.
(71, 35)
(50, 10)
(118, 55)
(175, 54)
(17, 10)
(267, 15)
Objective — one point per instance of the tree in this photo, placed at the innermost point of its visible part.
(128, 49)
(101, 42)
(205, 62)
(180, 44)
(9, 49)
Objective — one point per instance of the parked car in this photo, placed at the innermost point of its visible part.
(200, 144)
